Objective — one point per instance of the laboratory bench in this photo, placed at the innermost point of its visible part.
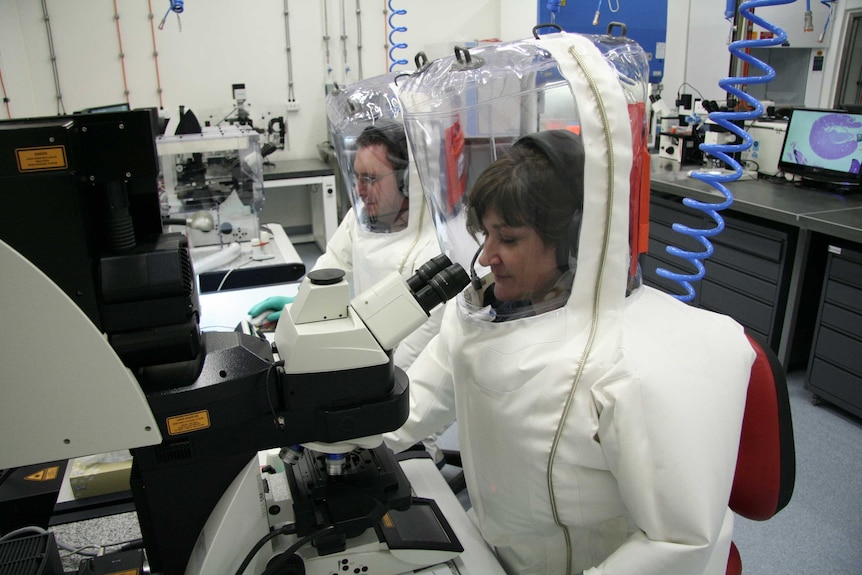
(787, 266)
(275, 261)
(300, 206)
(308, 216)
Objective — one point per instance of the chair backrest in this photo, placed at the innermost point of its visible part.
(766, 464)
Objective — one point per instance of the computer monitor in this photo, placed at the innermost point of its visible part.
(824, 148)
(122, 107)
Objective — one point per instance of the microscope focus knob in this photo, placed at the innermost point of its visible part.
(326, 276)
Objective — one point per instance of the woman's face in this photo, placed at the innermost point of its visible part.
(524, 267)
(376, 184)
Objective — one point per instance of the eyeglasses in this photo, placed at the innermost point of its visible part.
(369, 180)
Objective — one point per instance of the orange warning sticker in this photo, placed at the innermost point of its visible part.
(47, 474)
(387, 521)
(42, 159)
(188, 422)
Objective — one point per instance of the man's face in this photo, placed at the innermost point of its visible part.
(523, 265)
(377, 185)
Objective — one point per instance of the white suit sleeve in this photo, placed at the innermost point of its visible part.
(339, 249)
(432, 397)
(670, 438)
(411, 346)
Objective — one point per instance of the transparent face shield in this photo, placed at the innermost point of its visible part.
(368, 136)
(525, 209)
(378, 177)
(463, 114)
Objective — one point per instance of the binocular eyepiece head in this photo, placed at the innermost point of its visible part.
(437, 281)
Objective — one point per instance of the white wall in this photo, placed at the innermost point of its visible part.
(837, 38)
(223, 42)
(698, 53)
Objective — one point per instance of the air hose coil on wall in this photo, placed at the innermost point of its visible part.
(393, 29)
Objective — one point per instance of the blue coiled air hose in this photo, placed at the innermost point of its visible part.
(722, 151)
(175, 6)
(393, 30)
(553, 7)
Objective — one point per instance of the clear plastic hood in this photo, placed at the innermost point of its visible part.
(465, 111)
(367, 133)
(352, 107)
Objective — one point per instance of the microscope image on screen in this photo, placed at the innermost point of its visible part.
(823, 147)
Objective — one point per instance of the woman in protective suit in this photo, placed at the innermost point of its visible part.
(598, 420)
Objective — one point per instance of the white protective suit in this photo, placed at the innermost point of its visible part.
(600, 437)
(367, 257)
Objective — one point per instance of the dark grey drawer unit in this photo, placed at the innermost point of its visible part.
(746, 276)
(835, 366)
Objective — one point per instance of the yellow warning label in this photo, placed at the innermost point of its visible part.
(188, 422)
(124, 572)
(387, 521)
(42, 159)
(47, 474)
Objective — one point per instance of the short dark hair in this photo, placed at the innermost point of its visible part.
(525, 189)
(390, 135)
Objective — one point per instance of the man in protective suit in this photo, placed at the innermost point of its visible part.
(389, 228)
(598, 420)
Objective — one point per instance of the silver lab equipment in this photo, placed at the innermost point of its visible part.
(219, 173)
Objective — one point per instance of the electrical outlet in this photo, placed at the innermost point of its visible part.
(293, 106)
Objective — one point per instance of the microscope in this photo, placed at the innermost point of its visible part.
(124, 364)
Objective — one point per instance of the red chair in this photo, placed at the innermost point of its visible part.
(766, 464)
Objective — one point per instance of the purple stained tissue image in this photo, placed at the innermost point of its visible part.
(798, 156)
(834, 136)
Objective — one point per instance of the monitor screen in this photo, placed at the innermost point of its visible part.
(124, 107)
(823, 146)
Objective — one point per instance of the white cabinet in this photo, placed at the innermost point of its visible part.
(301, 193)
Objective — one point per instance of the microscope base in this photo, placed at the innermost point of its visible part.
(371, 485)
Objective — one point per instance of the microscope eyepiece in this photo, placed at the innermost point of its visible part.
(393, 308)
(427, 271)
(445, 284)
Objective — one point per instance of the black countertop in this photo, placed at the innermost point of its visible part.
(828, 213)
(304, 168)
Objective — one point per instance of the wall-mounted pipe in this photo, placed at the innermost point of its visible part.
(343, 37)
(155, 55)
(61, 109)
(326, 39)
(5, 95)
(290, 96)
(122, 53)
(359, 40)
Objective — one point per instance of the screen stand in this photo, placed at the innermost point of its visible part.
(832, 187)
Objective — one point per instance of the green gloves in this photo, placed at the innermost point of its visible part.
(274, 304)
